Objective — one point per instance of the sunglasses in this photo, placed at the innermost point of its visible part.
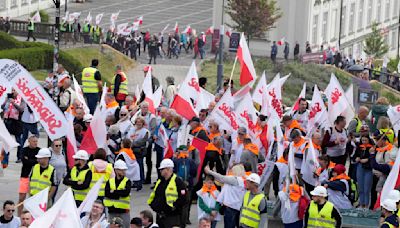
(10, 210)
(122, 114)
(57, 145)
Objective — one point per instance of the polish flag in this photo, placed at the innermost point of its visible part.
(63, 214)
(273, 101)
(137, 93)
(185, 101)
(228, 32)
(36, 17)
(260, 91)
(139, 20)
(187, 30)
(310, 165)
(224, 113)
(79, 95)
(281, 41)
(247, 71)
(318, 115)
(394, 116)
(71, 143)
(162, 134)
(157, 97)
(148, 91)
(200, 145)
(337, 102)
(302, 94)
(96, 134)
(176, 28)
(210, 30)
(37, 204)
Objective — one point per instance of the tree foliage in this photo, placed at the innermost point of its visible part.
(375, 44)
(253, 17)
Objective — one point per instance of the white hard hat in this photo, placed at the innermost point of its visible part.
(43, 153)
(254, 178)
(166, 163)
(81, 154)
(389, 205)
(119, 164)
(319, 191)
(394, 195)
(87, 117)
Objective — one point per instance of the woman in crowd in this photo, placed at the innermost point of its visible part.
(58, 161)
(364, 170)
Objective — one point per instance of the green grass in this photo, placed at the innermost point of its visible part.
(108, 59)
(40, 75)
(384, 91)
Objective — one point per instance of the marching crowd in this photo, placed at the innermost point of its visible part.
(222, 175)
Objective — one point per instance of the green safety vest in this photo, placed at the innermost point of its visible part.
(79, 195)
(31, 26)
(63, 28)
(38, 181)
(359, 124)
(322, 218)
(97, 175)
(89, 83)
(251, 215)
(389, 134)
(171, 192)
(123, 87)
(86, 28)
(122, 202)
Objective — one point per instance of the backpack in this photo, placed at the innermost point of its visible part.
(353, 191)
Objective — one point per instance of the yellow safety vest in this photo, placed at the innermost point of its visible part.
(389, 224)
(359, 124)
(123, 87)
(251, 215)
(122, 202)
(31, 27)
(89, 83)
(79, 195)
(389, 134)
(97, 175)
(39, 181)
(171, 192)
(323, 218)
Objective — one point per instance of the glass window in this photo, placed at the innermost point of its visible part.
(315, 29)
(395, 9)
(3, 4)
(387, 10)
(351, 21)
(360, 15)
(324, 31)
(394, 40)
(334, 24)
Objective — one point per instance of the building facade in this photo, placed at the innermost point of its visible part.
(17, 8)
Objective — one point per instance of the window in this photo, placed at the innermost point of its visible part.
(324, 31)
(360, 15)
(13, 3)
(334, 24)
(395, 9)
(23, 2)
(369, 15)
(386, 39)
(351, 21)
(387, 10)
(343, 23)
(378, 11)
(3, 4)
(315, 30)
(393, 44)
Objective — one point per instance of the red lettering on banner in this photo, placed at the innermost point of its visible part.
(250, 123)
(260, 91)
(314, 110)
(397, 107)
(336, 94)
(43, 207)
(193, 83)
(2, 90)
(231, 115)
(35, 99)
(276, 104)
(260, 168)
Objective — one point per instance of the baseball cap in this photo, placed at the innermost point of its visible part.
(339, 169)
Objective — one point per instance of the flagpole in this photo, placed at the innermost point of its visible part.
(233, 69)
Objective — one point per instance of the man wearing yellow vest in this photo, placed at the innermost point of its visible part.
(79, 177)
(254, 203)
(321, 212)
(43, 174)
(119, 86)
(117, 194)
(390, 219)
(168, 196)
(92, 84)
(101, 168)
(358, 121)
(395, 196)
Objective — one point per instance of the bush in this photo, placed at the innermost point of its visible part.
(8, 42)
(32, 58)
(44, 16)
(72, 65)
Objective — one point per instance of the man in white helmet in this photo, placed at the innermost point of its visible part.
(117, 194)
(79, 177)
(254, 203)
(168, 197)
(389, 209)
(321, 212)
(395, 195)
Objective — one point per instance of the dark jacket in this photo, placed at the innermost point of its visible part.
(392, 220)
(377, 111)
(186, 169)
(116, 194)
(74, 184)
(28, 160)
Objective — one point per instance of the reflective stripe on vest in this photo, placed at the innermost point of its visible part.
(389, 134)
(89, 83)
(359, 124)
(79, 194)
(123, 87)
(38, 181)
(97, 175)
(250, 215)
(389, 225)
(171, 192)
(122, 202)
(322, 218)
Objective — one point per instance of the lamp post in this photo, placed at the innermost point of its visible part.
(56, 35)
(220, 67)
(398, 37)
(340, 24)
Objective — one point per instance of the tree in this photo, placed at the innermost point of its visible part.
(375, 44)
(253, 17)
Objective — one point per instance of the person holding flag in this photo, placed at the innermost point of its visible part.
(338, 188)
(389, 209)
(197, 129)
(290, 215)
(31, 29)
(335, 140)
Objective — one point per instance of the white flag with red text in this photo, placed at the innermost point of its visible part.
(337, 102)
(310, 165)
(157, 97)
(114, 17)
(79, 95)
(302, 94)
(391, 180)
(247, 70)
(224, 113)
(36, 17)
(205, 99)
(260, 90)
(74, 16)
(318, 116)
(349, 111)
(394, 116)
(98, 18)
(273, 103)
(247, 117)
(91, 196)
(37, 204)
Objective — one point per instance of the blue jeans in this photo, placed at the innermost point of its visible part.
(364, 181)
(231, 218)
(92, 99)
(26, 128)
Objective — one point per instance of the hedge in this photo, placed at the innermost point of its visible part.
(8, 42)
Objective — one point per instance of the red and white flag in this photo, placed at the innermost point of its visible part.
(98, 18)
(200, 145)
(164, 29)
(210, 30)
(36, 17)
(79, 95)
(123, 29)
(139, 20)
(310, 165)
(188, 29)
(247, 70)
(188, 96)
(318, 115)
(391, 182)
(96, 134)
(91, 196)
(5, 137)
(302, 94)
(274, 98)
(135, 26)
(63, 214)
(114, 17)
(157, 97)
(176, 28)
(224, 113)
(247, 117)
(394, 116)
(37, 204)
(228, 31)
(281, 41)
(337, 101)
(162, 134)
(260, 91)
(148, 91)
(71, 143)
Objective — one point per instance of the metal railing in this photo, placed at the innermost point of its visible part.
(42, 30)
